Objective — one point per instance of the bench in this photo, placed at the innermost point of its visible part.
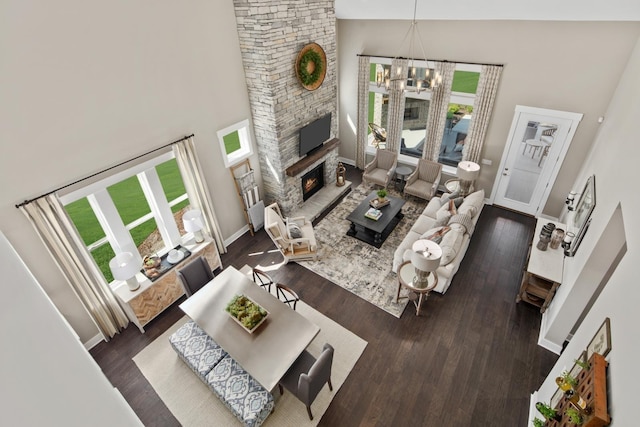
(249, 401)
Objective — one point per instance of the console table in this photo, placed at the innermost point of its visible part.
(543, 274)
(152, 298)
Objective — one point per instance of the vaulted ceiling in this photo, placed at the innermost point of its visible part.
(540, 10)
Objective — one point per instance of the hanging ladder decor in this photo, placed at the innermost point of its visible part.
(253, 207)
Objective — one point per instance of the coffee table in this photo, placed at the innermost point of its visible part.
(371, 231)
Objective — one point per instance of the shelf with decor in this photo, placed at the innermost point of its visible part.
(592, 387)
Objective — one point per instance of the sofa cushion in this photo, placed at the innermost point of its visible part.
(423, 224)
(451, 243)
(432, 207)
(472, 204)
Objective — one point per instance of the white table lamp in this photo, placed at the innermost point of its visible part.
(193, 224)
(467, 172)
(425, 259)
(125, 266)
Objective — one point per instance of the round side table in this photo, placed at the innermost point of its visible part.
(402, 172)
(452, 185)
(406, 273)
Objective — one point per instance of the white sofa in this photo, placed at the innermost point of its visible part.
(454, 243)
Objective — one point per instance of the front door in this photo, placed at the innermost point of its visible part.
(537, 143)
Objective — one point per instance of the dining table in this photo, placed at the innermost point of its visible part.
(267, 352)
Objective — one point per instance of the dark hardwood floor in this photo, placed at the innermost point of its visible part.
(471, 359)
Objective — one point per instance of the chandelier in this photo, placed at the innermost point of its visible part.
(412, 81)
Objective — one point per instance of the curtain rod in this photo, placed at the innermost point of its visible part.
(26, 202)
(437, 60)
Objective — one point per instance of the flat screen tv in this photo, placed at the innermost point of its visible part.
(313, 135)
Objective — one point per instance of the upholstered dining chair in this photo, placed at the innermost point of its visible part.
(294, 237)
(287, 295)
(424, 181)
(308, 375)
(262, 279)
(195, 275)
(381, 169)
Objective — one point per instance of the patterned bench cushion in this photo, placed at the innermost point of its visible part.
(249, 401)
(198, 350)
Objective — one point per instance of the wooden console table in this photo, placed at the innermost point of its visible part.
(543, 274)
(152, 298)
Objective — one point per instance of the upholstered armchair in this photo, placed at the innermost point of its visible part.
(380, 170)
(424, 181)
(293, 236)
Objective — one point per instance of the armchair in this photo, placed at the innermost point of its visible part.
(424, 181)
(294, 237)
(380, 170)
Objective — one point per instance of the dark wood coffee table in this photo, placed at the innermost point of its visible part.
(371, 231)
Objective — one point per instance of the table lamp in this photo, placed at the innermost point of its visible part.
(467, 172)
(193, 223)
(425, 259)
(125, 266)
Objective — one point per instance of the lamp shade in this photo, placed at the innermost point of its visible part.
(192, 220)
(426, 255)
(124, 266)
(468, 171)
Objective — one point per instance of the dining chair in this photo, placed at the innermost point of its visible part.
(262, 279)
(307, 376)
(287, 295)
(195, 275)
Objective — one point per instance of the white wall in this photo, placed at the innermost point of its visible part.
(566, 66)
(47, 376)
(614, 161)
(86, 85)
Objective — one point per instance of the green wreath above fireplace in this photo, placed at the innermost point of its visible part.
(311, 66)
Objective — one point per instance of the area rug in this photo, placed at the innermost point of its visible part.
(355, 265)
(193, 404)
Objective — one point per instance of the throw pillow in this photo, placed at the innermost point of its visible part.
(432, 207)
(451, 243)
(463, 220)
(458, 201)
(442, 220)
(435, 234)
(474, 199)
(294, 231)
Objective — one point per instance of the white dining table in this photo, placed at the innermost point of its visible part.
(268, 352)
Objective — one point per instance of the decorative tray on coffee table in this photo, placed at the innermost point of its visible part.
(246, 312)
(375, 203)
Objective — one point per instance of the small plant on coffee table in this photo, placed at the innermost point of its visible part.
(382, 194)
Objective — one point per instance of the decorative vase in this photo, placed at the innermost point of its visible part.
(556, 238)
(543, 243)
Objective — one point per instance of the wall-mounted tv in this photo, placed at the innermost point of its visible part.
(313, 135)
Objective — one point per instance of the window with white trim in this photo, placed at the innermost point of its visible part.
(138, 210)
(235, 143)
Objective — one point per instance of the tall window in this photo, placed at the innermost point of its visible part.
(138, 210)
(418, 107)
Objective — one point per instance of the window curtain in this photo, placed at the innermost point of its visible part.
(439, 105)
(395, 113)
(196, 188)
(51, 222)
(363, 110)
(482, 109)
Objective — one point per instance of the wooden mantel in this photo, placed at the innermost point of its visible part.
(307, 161)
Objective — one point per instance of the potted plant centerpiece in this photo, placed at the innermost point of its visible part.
(382, 195)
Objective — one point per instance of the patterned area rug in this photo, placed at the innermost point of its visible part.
(355, 265)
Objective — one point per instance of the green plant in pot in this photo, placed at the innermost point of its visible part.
(537, 422)
(547, 411)
(382, 194)
(574, 416)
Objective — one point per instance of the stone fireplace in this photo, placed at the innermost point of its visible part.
(271, 34)
(312, 181)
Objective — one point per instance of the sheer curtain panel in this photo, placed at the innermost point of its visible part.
(395, 115)
(363, 110)
(196, 188)
(438, 111)
(50, 220)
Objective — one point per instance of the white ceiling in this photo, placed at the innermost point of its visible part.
(538, 10)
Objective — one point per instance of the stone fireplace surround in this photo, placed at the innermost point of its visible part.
(271, 33)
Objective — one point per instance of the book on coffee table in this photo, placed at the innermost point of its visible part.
(373, 214)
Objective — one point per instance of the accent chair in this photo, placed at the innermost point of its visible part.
(293, 236)
(381, 169)
(424, 181)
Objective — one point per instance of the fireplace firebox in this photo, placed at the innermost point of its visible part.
(312, 181)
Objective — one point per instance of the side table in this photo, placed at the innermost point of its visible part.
(452, 185)
(406, 273)
(402, 172)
